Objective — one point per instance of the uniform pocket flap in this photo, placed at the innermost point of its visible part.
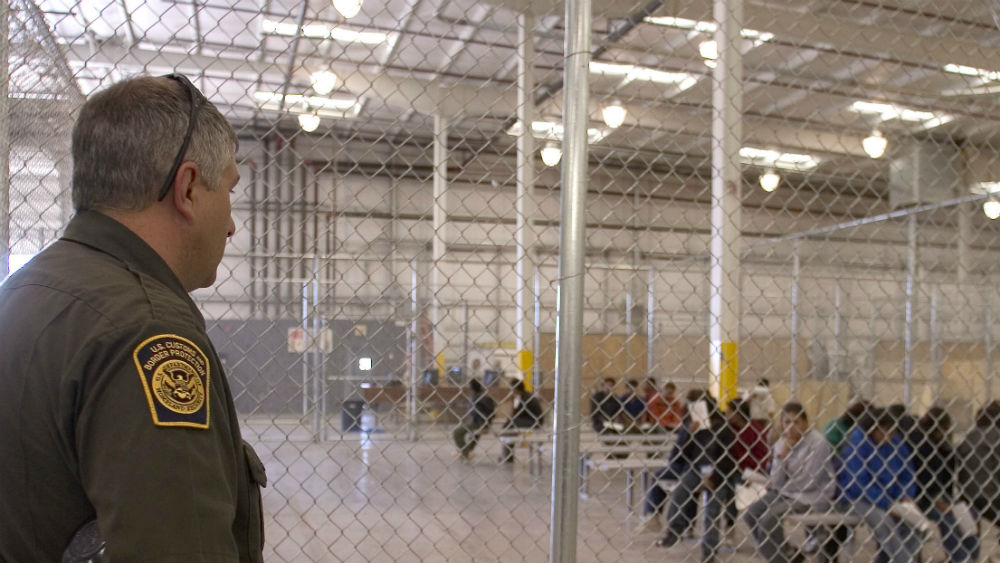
(257, 470)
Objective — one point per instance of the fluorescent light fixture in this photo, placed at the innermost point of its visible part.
(769, 181)
(614, 114)
(775, 159)
(985, 188)
(928, 119)
(757, 37)
(551, 154)
(875, 144)
(364, 364)
(709, 51)
(323, 82)
(323, 31)
(630, 73)
(320, 105)
(308, 122)
(972, 71)
(991, 208)
(347, 8)
(554, 131)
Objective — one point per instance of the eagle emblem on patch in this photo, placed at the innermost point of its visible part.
(175, 376)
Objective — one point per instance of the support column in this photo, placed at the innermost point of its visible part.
(988, 343)
(416, 363)
(909, 320)
(4, 140)
(440, 231)
(838, 321)
(525, 205)
(935, 338)
(964, 265)
(569, 327)
(794, 375)
(727, 132)
(650, 321)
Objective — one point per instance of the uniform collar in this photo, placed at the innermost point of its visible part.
(103, 233)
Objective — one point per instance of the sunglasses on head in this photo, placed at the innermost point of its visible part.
(196, 99)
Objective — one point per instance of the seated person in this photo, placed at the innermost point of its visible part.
(605, 407)
(802, 480)
(482, 409)
(876, 473)
(750, 450)
(526, 414)
(677, 465)
(633, 407)
(665, 408)
(711, 465)
(934, 464)
(979, 463)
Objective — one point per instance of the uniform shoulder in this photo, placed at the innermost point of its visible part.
(100, 281)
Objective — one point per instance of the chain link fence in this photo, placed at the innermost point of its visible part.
(787, 202)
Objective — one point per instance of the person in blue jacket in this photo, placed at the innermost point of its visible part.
(877, 472)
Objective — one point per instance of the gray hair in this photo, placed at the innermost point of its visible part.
(126, 137)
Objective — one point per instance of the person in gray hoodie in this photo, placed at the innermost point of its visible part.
(802, 479)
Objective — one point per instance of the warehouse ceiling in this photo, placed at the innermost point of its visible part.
(820, 75)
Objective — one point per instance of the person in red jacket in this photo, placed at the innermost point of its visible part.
(750, 449)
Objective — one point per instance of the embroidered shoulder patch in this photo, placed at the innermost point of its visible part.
(175, 376)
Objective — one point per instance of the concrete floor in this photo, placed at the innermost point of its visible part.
(382, 497)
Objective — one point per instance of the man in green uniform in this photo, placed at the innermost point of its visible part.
(116, 415)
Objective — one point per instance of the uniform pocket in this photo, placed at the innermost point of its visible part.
(258, 479)
(256, 467)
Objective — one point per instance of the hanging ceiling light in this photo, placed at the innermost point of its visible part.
(308, 122)
(769, 180)
(614, 114)
(323, 82)
(875, 144)
(709, 51)
(991, 208)
(551, 154)
(347, 8)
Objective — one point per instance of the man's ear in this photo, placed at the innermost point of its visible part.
(183, 195)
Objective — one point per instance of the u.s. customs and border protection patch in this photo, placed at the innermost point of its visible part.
(175, 376)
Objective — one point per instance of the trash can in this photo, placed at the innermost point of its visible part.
(350, 415)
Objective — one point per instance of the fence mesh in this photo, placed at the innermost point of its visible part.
(398, 237)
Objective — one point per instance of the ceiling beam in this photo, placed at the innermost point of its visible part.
(807, 28)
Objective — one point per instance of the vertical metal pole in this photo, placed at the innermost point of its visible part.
(965, 212)
(4, 140)
(305, 357)
(727, 132)
(569, 326)
(525, 206)
(440, 231)
(838, 350)
(629, 329)
(867, 390)
(321, 357)
(650, 321)
(537, 341)
(415, 363)
(794, 383)
(935, 342)
(988, 332)
(911, 273)
(314, 353)
(465, 336)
